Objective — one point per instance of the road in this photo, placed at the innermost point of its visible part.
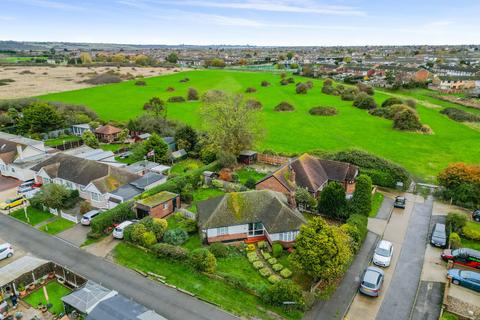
(164, 300)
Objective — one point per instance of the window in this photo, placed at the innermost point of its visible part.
(255, 229)
(165, 205)
(222, 231)
(288, 236)
(96, 196)
(46, 180)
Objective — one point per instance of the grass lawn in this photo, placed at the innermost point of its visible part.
(55, 292)
(185, 166)
(182, 276)
(239, 267)
(297, 131)
(377, 200)
(193, 241)
(35, 215)
(112, 147)
(245, 173)
(201, 194)
(59, 141)
(448, 316)
(57, 226)
(127, 160)
(473, 244)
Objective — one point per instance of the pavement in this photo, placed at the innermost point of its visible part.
(385, 209)
(166, 301)
(429, 300)
(336, 306)
(75, 235)
(7, 183)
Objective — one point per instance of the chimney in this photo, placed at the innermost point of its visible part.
(20, 152)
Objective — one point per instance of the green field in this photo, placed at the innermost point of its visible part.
(296, 132)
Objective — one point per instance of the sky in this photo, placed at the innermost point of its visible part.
(243, 22)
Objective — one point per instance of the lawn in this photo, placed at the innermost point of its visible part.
(201, 194)
(35, 215)
(57, 226)
(185, 166)
(182, 276)
(245, 173)
(377, 200)
(297, 131)
(55, 292)
(473, 244)
(112, 146)
(193, 241)
(448, 316)
(59, 141)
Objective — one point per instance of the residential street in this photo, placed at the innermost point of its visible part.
(164, 300)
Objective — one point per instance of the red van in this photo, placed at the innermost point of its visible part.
(463, 256)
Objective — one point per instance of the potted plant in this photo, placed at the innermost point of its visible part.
(22, 290)
(31, 286)
(51, 275)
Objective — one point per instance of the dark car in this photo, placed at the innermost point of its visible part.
(463, 256)
(400, 202)
(476, 215)
(372, 281)
(439, 236)
(465, 278)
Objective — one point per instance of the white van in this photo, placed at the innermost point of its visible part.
(118, 231)
(87, 217)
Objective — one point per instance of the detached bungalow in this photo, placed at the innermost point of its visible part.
(107, 133)
(249, 216)
(93, 180)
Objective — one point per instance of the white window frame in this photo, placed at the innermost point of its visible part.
(222, 231)
(255, 230)
(165, 205)
(288, 236)
(96, 196)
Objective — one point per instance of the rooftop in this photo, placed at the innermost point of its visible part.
(157, 199)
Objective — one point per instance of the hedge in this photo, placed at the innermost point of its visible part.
(460, 115)
(169, 251)
(277, 250)
(471, 232)
(360, 222)
(110, 217)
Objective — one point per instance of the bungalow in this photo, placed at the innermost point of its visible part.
(310, 173)
(80, 129)
(159, 205)
(249, 216)
(93, 180)
(107, 133)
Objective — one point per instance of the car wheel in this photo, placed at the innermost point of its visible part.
(477, 219)
(9, 255)
(456, 281)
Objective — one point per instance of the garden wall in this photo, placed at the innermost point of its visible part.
(272, 159)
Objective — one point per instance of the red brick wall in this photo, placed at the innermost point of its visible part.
(161, 212)
(272, 184)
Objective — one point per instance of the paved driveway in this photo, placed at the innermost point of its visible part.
(164, 300)
(17, 253)
(75, 235)
(103, 247)
(7, 183)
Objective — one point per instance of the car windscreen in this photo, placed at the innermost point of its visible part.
(382, 252)
(439, 234)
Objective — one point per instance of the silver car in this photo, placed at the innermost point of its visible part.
(372, 281)
(383, 254)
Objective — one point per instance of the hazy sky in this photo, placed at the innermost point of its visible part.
(254, 22)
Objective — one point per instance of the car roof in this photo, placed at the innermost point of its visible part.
(384, 244)
(90, 213)
(124, 224)
(372, 274)
(4, 245)
(439, 226)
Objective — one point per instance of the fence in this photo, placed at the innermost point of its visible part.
(64, 215)
(272, 159)
(69, 145)
(187, 214)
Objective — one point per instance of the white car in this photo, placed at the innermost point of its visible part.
(118, 231)
(6, 251)
(383, 253)
(87, 217)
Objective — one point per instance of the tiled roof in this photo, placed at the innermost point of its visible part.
(107, 129)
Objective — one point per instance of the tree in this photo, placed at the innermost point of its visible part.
(231, 126)
(290, 55)
(407, 119)
(39, 117)
(142, 60)
(461, 184)
(186, 138)
(364, 101)
(305, 199)
(123, 135)
(90, 139)
(332, 200)
(157, 107)
(361, 202)
(321, 250)
(86, 58)
(118, 58)
(160, 149)
(203, 260)
(172, 57)
(192, 94)
(53, 196)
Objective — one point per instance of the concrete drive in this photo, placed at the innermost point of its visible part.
(103, 247)
(164, 300)
(75, 235)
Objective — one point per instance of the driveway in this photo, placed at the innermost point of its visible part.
(17, 253)
(75, 235)
(166, 301)
(103, 247)
(7, 183)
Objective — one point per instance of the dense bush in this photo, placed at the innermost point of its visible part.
(332, 200)
(327, 89)
(113, 216)
(266, 255)
(461, 184)
(258, 264)
(250, 90)
(364, 101)
(203, 260)
(277, 250)
(148, 239)
(454, 240)
(104, 79)
(360, 222)
(140, 83)
(274, 279)
(219, 250)
(175, 236)
(277, 267)
(170, 251)
(265, 83)
(328, 82)
(361, 202)
(184, 80)
(170, 89)
(388, 112)
(362, 87)
(192, 94)
(136, 234)
(348, 95)
(284, 82)
(272, 261)
(265, 272)
(176, 99)
(253, 104)
(411, 103)
(456, 221)
(391, 101)
(286, 273)
(250, 183)
(460, 115)
(156, 225)
(354, 234)
(471, 232)
(282, 291)
(323, 111)
(407, 120)
(301, 88)
(252, 256)
(284, 106)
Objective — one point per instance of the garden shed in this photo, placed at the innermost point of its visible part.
(159, 205)
(247, 157)
(178, 155)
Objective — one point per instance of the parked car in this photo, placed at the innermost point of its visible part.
(463, 256)
(87, 217)
(37, 185)
(383, 253)
(476, 215)
(400, 202)
(12, 203)
(28, 183)
(24, 189)
(465, 278)
(118, 231)
(439, 236)
(6, 251)
(372, 281)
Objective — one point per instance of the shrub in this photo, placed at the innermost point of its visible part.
(274, 279)
(253, 104)
(364, 101)
(170, 89)
(127, 233)
(175, 236)
(272, 261)
(266, 255)
(362, 87)
(277, 250)
(265, 83)
(328, 82)
(140, 83)
(282, 291)
(137, 233)
(113, 216)
(360, 222)
(156, 225)
(327, 89)
(407, 120)
(284, 82)
(470, 231)
(454, 240)
(301, 88)
(176, 99)
(262, 244)
(104, 79)
(309, 84)
(348, 96)
(148, 239)
(192, 94)
(354, 234)
(85, 206)
(265, 272)
(361, 202)
(323, 111)
(203, 260)
(218, 249)
(391, 101)
(411, 103)
(460, 115)
(290, 80)
(284, 107)
(184, 80)
(258, 264)
(286, 273)
(250, 90)
(277, 267)
(252, 257)
(169, 251)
